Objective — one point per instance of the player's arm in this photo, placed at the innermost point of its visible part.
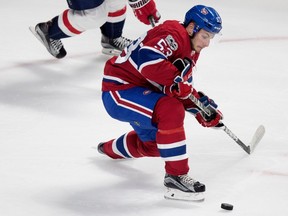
(157, 54)
(155, 67)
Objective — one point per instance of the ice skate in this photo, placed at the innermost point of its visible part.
(54, 47)
(100, 148)
(183, 187)
(114, 46)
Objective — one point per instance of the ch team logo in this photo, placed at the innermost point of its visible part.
(137, 123)
(204, 11)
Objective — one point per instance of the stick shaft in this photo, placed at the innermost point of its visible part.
(152, 21)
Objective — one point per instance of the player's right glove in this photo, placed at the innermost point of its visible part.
(144, 9)
(207, 121)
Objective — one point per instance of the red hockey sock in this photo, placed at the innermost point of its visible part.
(169, 115)
(130, 146)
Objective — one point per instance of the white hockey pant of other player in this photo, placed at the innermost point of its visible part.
(92, 18)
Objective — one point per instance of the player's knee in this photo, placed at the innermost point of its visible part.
(117, 10)
(99, 14)
(169, 113)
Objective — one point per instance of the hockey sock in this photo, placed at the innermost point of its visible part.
(169, 115)
(130, 146)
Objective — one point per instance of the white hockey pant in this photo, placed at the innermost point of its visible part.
(73, 22)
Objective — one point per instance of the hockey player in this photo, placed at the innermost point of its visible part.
(82, 15)
(150, 85)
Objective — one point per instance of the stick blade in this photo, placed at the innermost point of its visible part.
(258, 135)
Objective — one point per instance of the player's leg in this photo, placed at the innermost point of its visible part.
(134, 106)
(112, 40)
(81, 16)
(155, 118)
(168, 117)
(128, 146)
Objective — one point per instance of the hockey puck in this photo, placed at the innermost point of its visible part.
(227, 206)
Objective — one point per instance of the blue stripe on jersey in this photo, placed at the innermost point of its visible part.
(112, 81)
(148, 54)
(171, 152)
(120, 146)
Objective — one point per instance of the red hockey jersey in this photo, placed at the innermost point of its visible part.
(148, 61)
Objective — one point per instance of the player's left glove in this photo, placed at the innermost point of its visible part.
(143, 9)
(182, 86)
(181, 90)
(207, 121)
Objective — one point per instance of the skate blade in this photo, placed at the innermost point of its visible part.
(32, 29)
(174, 194)
(112, 52)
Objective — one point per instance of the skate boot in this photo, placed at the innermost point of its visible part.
(114, 46)
(183, 187)
(54, 47)
(100, 148)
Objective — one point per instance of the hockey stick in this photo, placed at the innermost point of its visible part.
(152, 21)
(247, 148)
(257, 135)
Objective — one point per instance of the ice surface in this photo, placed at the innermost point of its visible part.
(51, 115)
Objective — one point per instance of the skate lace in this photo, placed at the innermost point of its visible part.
(56, 45)
(187, 179)
(121, 42)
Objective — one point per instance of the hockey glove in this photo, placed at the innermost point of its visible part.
(207, 121)
(182, 86)
(143, 9)
(181, 90)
